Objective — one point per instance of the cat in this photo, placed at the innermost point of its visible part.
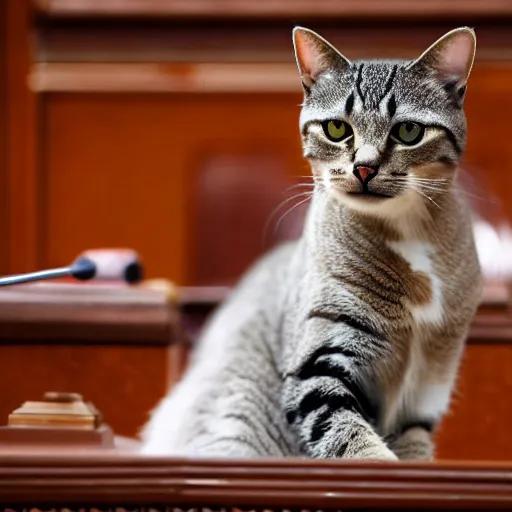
(346, 343)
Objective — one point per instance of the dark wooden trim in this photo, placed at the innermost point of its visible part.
(248, 42)
(275, 9)
(128, 480)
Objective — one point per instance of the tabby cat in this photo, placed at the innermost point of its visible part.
(346, 343)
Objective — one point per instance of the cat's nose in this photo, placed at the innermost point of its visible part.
(364, 174)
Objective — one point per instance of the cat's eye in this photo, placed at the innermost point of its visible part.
(408, 133)
(336, 130)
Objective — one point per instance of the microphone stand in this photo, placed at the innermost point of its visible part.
(81, 269)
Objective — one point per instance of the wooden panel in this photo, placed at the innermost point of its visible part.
(234, 198)
(22, 180)
(115, 378)
(489, 153)
(103, 341)
(140, 157)
(3, 137)
(478, 425)
(126, 172)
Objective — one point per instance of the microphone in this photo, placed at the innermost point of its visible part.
(82, 269)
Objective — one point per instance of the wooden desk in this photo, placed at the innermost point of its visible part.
(125, 350)
(67, 476)
(119, 346)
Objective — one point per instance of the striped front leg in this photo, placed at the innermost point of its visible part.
(323, 396)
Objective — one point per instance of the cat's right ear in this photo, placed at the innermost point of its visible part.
(315, 56)
(451, 58)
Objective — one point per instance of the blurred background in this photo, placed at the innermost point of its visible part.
(171, 126)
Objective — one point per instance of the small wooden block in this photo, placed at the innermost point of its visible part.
(59, 419)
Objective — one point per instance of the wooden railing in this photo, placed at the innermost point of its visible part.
(136, 483)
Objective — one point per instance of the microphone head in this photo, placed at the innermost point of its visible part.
(83, 269)
(116, 264)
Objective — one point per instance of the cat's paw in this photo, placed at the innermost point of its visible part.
(414, 444)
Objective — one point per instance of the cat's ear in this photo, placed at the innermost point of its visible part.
(451, 58)
(315, 56)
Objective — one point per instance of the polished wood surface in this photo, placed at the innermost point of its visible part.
(87, 313)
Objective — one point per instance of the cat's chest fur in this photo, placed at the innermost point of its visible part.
(422, 393)
(419, 255)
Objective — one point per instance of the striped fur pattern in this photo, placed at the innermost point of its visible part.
(346, 343)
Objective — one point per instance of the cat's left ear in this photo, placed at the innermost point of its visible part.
(451, 58)
(315, 56)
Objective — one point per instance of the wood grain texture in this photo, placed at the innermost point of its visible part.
(275, 9)
(124, 382)
(128, 480)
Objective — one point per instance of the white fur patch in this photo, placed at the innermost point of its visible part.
(419, 396)
(164, 433)
(404, 212)
(367, 154)
(434, 400)
(418, 255)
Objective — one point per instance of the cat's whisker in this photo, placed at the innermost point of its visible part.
(466, 193)
(429, 198)
(432, 188)
(419, 178)
(426, 186)
(291, 210)
(276, 210)
(299, 185)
